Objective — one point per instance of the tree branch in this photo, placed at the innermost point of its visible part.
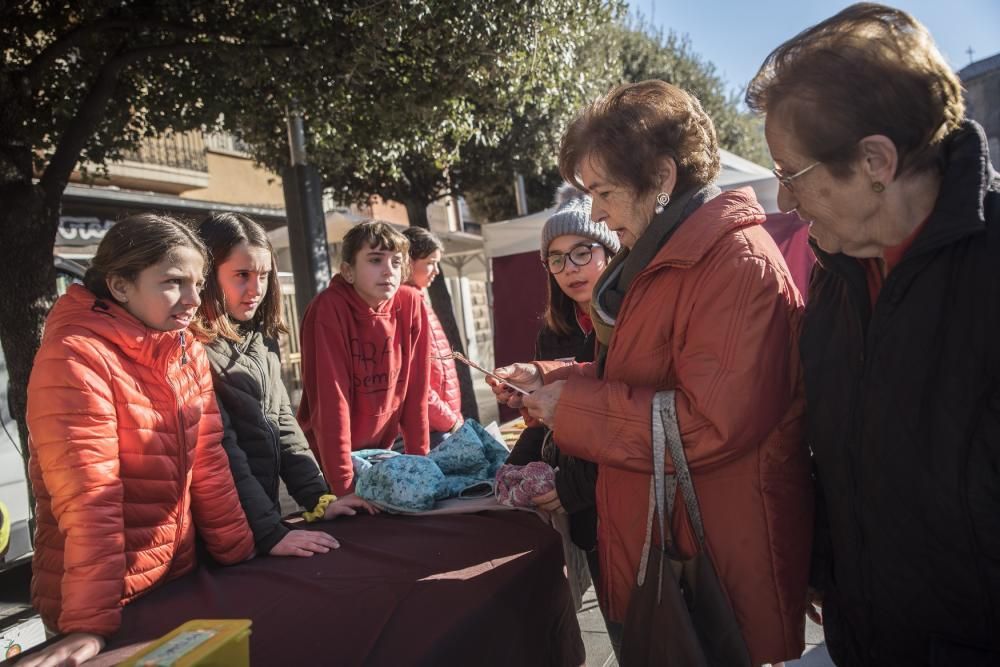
(37, 68)
(87, 119)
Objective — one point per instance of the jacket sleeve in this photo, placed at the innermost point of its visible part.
(215, 504)
(325, 411)
(414, 424)
(264, 520)
(299, 471)
(441, 417)
(74, 436)
(528, 447)
(576, 484)
(733, 378)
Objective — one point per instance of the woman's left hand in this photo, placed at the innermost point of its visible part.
(549, 502)
(541, 404)
(348, 506)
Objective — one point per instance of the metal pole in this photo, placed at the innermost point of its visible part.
(307, 243)
(521, 195)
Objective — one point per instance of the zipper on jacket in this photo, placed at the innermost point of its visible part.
(184, 357)
(182, 456)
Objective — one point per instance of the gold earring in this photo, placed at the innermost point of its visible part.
(877, 186)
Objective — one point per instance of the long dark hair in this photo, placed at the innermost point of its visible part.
(222, 232)
(134, 244)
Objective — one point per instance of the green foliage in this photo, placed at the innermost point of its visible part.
(648, 53)
(626, 51)
(462, 98)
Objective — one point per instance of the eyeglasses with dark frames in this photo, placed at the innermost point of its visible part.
(580, 255)
(786, 181)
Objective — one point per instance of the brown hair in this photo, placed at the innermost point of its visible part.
(634, 126)
(869, 70)
(560, 310)
(222, 232)
(422, 242)
(378, 236)
(133, 245)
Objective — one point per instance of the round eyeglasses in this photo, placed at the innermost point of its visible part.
(580, 255)
(786, 181)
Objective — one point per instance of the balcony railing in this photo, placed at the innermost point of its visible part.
(179, 150)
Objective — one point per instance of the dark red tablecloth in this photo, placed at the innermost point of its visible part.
(473, 589)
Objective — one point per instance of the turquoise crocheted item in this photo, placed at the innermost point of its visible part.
(463, 466)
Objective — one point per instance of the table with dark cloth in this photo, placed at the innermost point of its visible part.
(462, 589)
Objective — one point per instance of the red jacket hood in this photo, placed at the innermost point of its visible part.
(359, 307)
(731, 210)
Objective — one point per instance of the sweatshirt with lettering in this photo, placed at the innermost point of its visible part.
(364, 377)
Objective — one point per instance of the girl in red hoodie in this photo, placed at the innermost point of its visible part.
(125, 438)
(365, 356)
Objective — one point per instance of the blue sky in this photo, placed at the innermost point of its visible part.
(736, 36)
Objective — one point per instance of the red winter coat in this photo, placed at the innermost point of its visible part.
(713, 317)
(125, 461)
(364, 377)
(444, 398)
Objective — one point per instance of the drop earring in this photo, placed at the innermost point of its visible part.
(662, 200)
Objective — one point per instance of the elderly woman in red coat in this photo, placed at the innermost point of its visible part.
(698, 313)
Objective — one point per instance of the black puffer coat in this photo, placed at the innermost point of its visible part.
(904, 423)
(576, 479)
(263, 439)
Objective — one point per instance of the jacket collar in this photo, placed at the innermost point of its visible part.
(959, 210)
(105, 319)
(731, 210)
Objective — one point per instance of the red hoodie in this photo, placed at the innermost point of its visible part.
(364, 377)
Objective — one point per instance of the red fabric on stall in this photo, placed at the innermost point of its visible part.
(467, 589)
(518, 305)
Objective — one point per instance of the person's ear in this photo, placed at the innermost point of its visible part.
(347, 271)
(666, 172)
(879, 158)
(119, 287)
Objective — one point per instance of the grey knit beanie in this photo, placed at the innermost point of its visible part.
(572, 216)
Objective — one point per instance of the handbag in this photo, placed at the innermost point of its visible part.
(680, 617)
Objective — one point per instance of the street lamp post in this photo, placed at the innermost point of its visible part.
(306, 222)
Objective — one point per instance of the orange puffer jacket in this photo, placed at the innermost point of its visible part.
(713, 317)
(444, 400)
(125, 461)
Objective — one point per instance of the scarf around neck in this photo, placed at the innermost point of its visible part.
(611, 287)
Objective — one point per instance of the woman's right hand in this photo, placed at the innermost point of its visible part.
(525, 376)
(72, 650)
(304, 543)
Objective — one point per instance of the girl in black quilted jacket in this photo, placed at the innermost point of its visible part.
(239, 321)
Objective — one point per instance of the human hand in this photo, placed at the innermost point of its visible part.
(549, 502)
(525, 376)
(542, 403)
(304, 543)
(72, 650)
(814, 605)
(529, 421)
(348, 506)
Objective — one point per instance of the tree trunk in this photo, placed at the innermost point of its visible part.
(441, 301)
(28, 222)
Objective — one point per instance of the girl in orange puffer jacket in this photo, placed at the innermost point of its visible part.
(125, 437)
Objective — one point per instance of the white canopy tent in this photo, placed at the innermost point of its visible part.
(524, 234)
